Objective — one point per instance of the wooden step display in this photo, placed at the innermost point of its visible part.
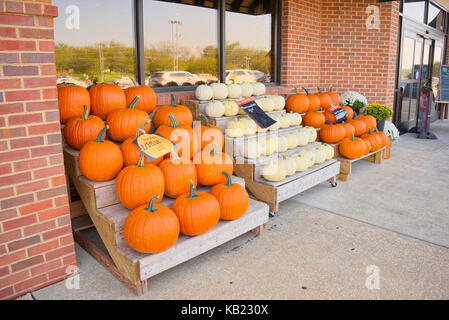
(346, 164)
(134, 268)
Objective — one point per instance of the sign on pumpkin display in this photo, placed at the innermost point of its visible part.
(153, 145)
(255, 112)
(339, 113)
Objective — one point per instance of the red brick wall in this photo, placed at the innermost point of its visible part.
(36, 243)
(326, 42)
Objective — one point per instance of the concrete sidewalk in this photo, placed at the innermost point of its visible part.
(323, 244)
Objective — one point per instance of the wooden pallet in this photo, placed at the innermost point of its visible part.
(133, 268)
(346, 164)
(273, 193)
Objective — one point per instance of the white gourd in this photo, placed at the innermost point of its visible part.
(247, 89)
(295, 118)
(302, 163)
(268, 104)
(274, 171)
(231, 108)
(309, 155)
(258, 89)
(259, 102)
(241, 112)
(282, 143)
(215, 109)
(235, 128)
(234, 91)
(251, 149)
(275, 126)
(250, 125)
(289, 165)
(284, 121)
(292, 140)
(320, 156)
(279, 102)
(269, 146)
(203, 92)
(312, 134)
(303, 137)
(219, 90)
(260, 129)
(328, 150)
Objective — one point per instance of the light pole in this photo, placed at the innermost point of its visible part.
(175, 38)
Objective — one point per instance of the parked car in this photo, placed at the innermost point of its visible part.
(69, 79)
(239, 76)
(124, 82)
(173, 78)
(260, 76)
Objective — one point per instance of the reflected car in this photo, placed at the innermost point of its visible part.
(173, 78)
(239, 76)
(260, 76)
(69, 79)
(124, 82)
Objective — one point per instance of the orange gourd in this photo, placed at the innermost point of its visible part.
(359, 125)
(352, 148)
(349, 112)
(314, 101)
(325, 100)
(100, 160)
(151, 228)
(71, 101)
(349, 129)
(181, 113)
(370, 121)
(197, 212)
(79, 131)
(210, 134)
(332, 133)
(232, 197)
(314, 118)
(147, 101)
(374, 139)
(335, 97)
(383, 137)
(105, 98)
(297, 102)
(211, 164)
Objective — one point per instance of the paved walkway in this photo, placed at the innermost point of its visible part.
(390, 220)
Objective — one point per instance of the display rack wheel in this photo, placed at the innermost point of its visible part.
(333, 184)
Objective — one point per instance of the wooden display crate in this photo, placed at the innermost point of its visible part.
(132, 268)
(346, 164)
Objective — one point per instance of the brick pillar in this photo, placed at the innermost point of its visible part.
(36, 243)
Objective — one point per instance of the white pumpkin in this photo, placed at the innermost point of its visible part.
(289, 165)
(292, 140)
(303, 137)
(219, 90)
(320, 156)
(275, 126)
(260, 129)
(203, 92)
(274, 171)
(251, 149)
(234, 91)
(312, 134)
(302, 163)
(247, 89)
(241, 112)
(295, 118)
(309, 155)
(268, 104)
(231, 108)
(279, 102)
(259, 102)
(215, 109)
(328, 150)
(269, 146)
(258, 88)
(250, 125)
(284, 121)
(235, 128)
(282, 143)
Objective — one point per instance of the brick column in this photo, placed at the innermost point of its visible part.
(36, 243)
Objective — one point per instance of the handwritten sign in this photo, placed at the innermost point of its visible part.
(153, 145)
(253, 110)
(339, 113)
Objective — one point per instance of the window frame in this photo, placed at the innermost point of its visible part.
(221, 29)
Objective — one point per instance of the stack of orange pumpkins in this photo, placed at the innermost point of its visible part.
(356, 147)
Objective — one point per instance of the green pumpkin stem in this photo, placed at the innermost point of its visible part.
(141, 128)
(352, 137)
(317, 110)
(192, 193)
(173, 100)
(85, 115)
(152, 206)
(214, 150)
(319, 90)
(173, 122)
(141, 162)
(328, 121)
(370, 131)
(101, 134)
(174, 157)
(206, 121)
(133, 103)
(228, 179)
(307, 91)
(295, 90)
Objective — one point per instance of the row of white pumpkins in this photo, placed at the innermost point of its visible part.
(278, 170)
(254, 148)
(229, 108)
(222, 91)
(238, 127)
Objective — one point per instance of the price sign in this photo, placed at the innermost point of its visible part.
(153, 145)
(339, 113)
(255, 112)
(444, 83)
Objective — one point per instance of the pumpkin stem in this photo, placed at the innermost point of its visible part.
(173, 100)
(214, 150)
(141, 162)
(152, 206)
(319, 90)
(85, 115)
(370, 131)
(328, 121)
(295, 90)
(228, 179)
(101, 134)
(317, 110)
(174, 155)
(192, 193)
(206, 121)
(173, 121)
(355, 116)
(352, 137)
(307, 92)
(133, 103)
(331, 89)
(141, 128)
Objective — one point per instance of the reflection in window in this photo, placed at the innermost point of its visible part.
(435, 17)
(180, 43)
(407, 58)
(417, 60)
(436, 69)
(248, 40)
(414, 9)
(99, 46)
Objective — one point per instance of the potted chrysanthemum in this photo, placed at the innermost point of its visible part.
(381, 112)
(354, 100)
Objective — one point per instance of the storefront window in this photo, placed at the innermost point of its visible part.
(180, 43)
(415, 9)
(95, 42)
(435, 17)
(248, 41)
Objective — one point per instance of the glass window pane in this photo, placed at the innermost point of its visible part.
(414, 9)
(436, 69)
(180, 37)
(417, 60)
(91, 45)
(407, 58)
(248, 40)
(435, 17)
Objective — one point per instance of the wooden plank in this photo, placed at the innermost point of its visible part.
(341, 158)
(77, 209)
(82, 223)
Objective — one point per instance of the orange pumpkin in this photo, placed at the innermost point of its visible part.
(367, 144)
(314, 101)
(181, 113)
(359, 125)
(210, 165)
(370, 121)
(349, 129)
(197, 212)
(151, 228)
(210, 134)
(147, 101)
(78, 131)
(374, 139)
(349, 112)
(297, 102)
(352, 148)
(232, 197)
(314, 118)
(71, 101)
(332, 133)
(105, 98)
(131, 152)
(330, 116)
(383, 137)
(177, 175)
(100, 160)
(182, 136)
(325, 100)
(334, 96)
